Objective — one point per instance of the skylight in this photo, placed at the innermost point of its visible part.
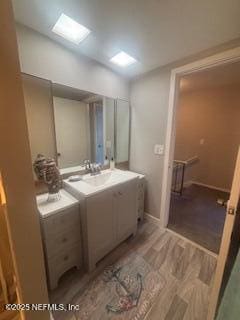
(70, 29)
(123, 59)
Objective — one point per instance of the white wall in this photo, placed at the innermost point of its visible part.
(45, 58)
(149, 102)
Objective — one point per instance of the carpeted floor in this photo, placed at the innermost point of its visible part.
(197, 216)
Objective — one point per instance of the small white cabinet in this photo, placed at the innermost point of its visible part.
(108, 218)
(61, 235)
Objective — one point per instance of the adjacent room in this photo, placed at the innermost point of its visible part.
(206, 146)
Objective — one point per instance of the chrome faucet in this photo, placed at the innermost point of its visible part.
(92, 168)
(95, 169)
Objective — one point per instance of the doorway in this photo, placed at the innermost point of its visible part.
(204, 153)
(229, 56)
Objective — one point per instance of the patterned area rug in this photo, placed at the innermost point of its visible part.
(124, 291)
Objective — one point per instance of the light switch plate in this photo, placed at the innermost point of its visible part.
(159, 149)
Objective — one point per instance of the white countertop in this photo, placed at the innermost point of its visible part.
(90, 185)
(47, 208)
(131, 173)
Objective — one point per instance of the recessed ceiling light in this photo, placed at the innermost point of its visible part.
(123, 59)
(70, 29)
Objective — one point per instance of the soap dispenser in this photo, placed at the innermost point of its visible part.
(106, 161)
(112, 164)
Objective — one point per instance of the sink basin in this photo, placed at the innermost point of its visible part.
(92, 184)
(99, 180)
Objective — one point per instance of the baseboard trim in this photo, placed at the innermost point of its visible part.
(151, 218)
(186, 184)
(210, 186)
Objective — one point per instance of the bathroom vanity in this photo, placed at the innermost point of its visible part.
(108, 209)
(91, 217)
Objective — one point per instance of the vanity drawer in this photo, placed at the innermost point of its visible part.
(55, 243)
(64, 261)
(61, 221)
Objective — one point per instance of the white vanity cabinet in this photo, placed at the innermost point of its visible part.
(108, 218)
(61, 235)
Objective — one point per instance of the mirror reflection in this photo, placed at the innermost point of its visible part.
(72, 125)
(84, 124)
(122, 129)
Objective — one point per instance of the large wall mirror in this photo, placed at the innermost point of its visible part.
(73, 125)
(84, 124)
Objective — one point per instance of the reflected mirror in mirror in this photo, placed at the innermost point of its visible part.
(122, 132)
(84, 124)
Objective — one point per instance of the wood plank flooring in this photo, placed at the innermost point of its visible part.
(187, 271)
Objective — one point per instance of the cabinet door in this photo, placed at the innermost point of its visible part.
(100, 224)
(126, 209)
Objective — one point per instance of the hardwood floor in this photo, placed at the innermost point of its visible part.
(187, 271)
(197, 216)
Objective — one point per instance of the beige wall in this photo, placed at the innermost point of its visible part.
(15, 167)
(213, 115)
(72, 131)
(149, 100)
(47, 59)
(40, 118)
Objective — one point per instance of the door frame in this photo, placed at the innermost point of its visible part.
(225, 57)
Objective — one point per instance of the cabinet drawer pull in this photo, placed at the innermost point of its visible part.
(64, 240)
(120, 193)
(65, 258)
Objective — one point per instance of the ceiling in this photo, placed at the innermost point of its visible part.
(225, 75)
(155, 32)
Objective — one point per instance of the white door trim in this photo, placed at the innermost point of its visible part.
(222, 58)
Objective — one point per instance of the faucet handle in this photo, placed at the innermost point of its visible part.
(96, 167)
(87, 163)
